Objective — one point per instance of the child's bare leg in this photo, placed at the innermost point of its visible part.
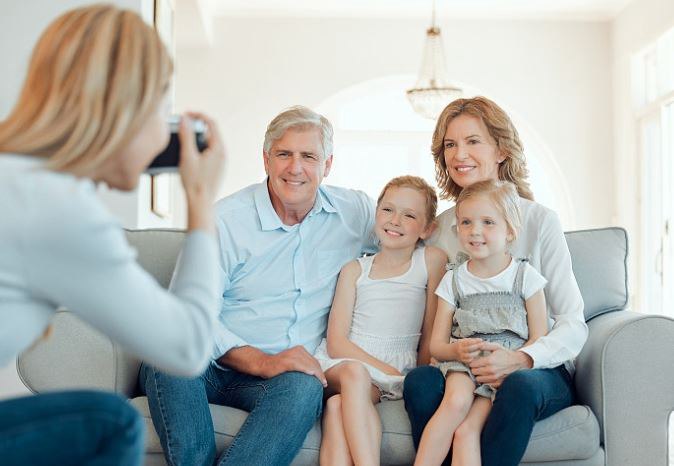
(360, 420)
(334, 448)
(437, 437)
(466, 447)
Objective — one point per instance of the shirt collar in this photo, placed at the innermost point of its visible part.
(323, 202)
(269, 219)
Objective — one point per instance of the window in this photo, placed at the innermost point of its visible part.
(653, 71)
(653, 95)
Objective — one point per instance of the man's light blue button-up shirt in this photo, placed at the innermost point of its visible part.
(278, 281)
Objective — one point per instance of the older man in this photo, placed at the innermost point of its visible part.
(282, 244)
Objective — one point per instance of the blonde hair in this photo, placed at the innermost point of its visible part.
(504, 196)
(420, 185)
(95, 75)
(500, 128)
(299, 117)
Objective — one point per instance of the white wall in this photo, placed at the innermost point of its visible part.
(555, 75)
(637, 26)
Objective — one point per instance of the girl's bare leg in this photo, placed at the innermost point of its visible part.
(334, 448)
(466, 447)
(360, 420)
(437, 437)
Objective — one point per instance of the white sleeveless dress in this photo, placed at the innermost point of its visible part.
(387, 319)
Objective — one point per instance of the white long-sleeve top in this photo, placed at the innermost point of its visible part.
(59, 246)
(542, 241)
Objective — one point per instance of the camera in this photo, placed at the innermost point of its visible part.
(169, 158)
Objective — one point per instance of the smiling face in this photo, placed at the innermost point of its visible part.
(482, 229)
(401, 218)
(471, 154)
(296, 166)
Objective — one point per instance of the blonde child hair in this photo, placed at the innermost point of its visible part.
(418, 183)
(504, 196)
(95, 76)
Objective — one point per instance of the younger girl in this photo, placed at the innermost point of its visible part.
(379, 318)
(491, 297)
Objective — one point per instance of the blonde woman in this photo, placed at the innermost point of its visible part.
(92, 110)
(475, 140)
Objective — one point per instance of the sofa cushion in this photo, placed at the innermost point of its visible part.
(571, 434)
(599, 259)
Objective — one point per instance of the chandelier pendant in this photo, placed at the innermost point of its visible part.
(432, 92)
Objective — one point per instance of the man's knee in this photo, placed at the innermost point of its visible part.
(152, 381)
(298, 391)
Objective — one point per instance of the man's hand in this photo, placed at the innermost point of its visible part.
(495, 367)
(467, 349)
(252, 361)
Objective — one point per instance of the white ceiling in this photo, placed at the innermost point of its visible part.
(589, 10)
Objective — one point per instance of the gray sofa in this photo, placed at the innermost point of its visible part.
(624, 375)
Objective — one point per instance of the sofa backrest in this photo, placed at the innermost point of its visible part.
(77, 356)
(599, 259)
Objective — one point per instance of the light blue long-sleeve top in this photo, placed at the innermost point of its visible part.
(278, 281)
(60, 246)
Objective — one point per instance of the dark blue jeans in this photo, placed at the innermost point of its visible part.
(282, 411)
(73, 428)
(526, 396)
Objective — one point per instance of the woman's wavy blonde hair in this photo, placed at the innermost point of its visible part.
(501, 129)
(95, 76)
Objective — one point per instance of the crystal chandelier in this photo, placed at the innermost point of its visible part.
(432, 92)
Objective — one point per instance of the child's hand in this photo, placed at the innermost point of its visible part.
(390, 370)
(468, 349)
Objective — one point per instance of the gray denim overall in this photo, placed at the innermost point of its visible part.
(496, 316)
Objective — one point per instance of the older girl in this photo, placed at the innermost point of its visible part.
(380, 316)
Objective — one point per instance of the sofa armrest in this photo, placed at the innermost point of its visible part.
(76, 355)
(625, 373)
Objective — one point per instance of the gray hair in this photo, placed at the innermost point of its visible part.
(299, 117)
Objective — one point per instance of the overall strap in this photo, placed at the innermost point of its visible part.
(519, 278)
(455, 287)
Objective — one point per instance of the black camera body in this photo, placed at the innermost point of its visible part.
(169, 158)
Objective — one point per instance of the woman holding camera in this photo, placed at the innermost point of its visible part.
(93, 109)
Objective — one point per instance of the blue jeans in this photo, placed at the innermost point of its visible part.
(74, 428)
(526, 396)
(282, 411)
